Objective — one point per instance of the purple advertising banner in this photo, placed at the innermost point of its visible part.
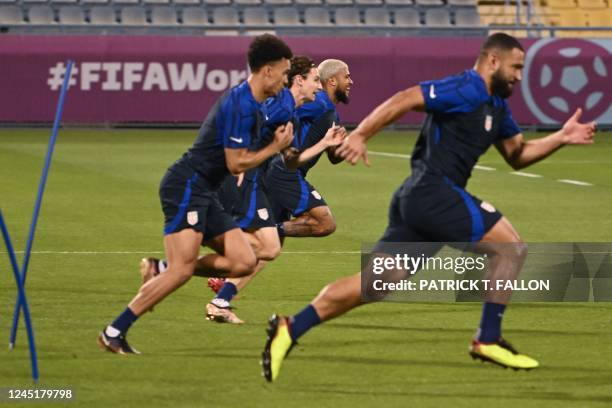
(159, 79)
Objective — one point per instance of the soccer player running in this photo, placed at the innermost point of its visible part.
(251, 207)
(284, 182)
(466, 113)
(188, 191)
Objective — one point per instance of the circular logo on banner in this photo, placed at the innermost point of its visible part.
(563, 75)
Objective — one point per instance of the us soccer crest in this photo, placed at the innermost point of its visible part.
(488, 123)
(263, 213)
(192, 217)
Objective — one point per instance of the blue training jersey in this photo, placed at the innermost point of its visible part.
(314, 119)
(462, 122)
(234, 122)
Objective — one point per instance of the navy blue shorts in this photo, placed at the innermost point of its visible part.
(189, 202)
(290, 194)
(434, 209)
(248, 203)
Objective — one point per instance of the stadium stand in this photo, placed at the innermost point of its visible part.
(386, 17)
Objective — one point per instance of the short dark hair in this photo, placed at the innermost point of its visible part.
(300, 65)
(265, 49)
(500, 41)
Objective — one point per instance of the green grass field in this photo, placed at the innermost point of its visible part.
(101, 214)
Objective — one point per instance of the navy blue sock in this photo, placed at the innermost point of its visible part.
(281, 229)
(227, 292)
(304, 321)
(124, 321)
(490, 324)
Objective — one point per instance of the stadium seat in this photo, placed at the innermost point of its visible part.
(156, 1)
(70, 15)
(217, 2)
(133, 16)
(63, 1)
(10, 15)
(600, 19)
(369, 2)
(467, 17)
(437, 17)
(316, 16)
(101, 15)
(41, 15)
(430, 3)
(573, 18)
(195, 16)
(186, 2)
(376, 17)
(286, 17)
(407, 17)
(309, 2)
(399, 2)
(163, 16)
(593, 4)
(7, 2)
(340, 2)
(94, 2)
(278, 2)
(347, 17)
(562, 4)
(462, 3)
(221, 33)
(225, 16)
(256, 16)
(122, 2)
(247, 2)
(33, 1)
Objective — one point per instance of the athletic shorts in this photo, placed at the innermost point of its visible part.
(248, 203)
(189, 202)
(434, 209)
(290, 194)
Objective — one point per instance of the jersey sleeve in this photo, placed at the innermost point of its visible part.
(235, 124)
(453, 94)
(317, 130)
(509, 127)
(310, 111)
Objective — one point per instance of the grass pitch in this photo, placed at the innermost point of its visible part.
(101, 214)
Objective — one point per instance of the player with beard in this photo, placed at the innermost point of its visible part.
(466, 114)
(285, 182)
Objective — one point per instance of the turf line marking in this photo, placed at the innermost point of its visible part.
(523, 174)
(575, 182)
(385, 154)
(407, 156)
(485, 168)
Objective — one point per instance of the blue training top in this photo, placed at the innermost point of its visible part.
(462, 122)
(234, 122)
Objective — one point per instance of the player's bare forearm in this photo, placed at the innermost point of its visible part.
(240, 160)
(520, 153)
(390, 111)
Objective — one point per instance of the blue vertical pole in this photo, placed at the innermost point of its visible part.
(41, 190)
(22, 298)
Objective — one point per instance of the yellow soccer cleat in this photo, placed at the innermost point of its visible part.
(278, 346)
(502, 353)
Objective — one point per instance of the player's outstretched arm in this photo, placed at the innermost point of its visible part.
(241, 160)
(353, 149)
(520, 153)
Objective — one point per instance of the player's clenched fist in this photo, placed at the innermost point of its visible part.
(283, 136)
